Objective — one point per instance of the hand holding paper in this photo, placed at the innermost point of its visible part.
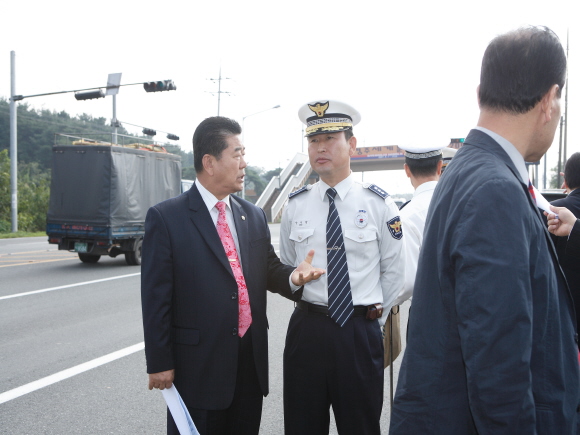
(161, 380)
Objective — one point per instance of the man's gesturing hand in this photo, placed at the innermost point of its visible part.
(305, 272)
(161, 380)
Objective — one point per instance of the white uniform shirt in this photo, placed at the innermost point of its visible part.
(413, 217)
(374, 248)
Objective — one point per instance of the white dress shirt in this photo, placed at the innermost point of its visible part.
(210, 201)
(413, 217)
(374, 255)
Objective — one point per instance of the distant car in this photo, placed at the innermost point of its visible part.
(186, 185)
(553, 194)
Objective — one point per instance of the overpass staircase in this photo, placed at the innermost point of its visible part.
(274, 197)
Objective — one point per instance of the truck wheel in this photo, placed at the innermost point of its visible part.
(133, 258)
(88, 258)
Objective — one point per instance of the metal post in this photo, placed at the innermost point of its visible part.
(545, 170)
(115, 119)
(13, 145)
(243, 129)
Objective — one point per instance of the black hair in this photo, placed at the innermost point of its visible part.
(210, 138)
(572, 171)
(423, 167)
(519, 68)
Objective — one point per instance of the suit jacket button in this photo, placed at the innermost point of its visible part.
(235, 331)
(234, 296)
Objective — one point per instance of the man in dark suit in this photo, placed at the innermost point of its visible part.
(572, 203)
(491, 347)
(563, 223)
(207, 262)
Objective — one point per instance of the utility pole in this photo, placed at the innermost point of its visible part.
(13, 146)
(559, 183)
(220, 92)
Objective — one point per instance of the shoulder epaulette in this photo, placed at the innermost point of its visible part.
(299, 191)
(376, 189)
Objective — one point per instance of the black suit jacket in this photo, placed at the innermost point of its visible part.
(573, 245)
(569, 262)
(190, 297)
(491, 340)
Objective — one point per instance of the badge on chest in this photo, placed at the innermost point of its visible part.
(362, 219)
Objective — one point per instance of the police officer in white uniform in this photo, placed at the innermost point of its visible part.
(423, 166)
(334, 351)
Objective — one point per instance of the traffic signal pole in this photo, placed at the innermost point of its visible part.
(80, 94)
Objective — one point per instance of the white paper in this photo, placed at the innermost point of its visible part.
(542, 202)
(179, 411)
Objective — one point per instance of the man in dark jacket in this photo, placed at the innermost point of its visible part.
(572, 203)
(207, 263)
(491, 347)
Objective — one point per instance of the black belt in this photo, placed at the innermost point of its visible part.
(359, 310)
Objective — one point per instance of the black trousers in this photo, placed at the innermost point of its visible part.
(326, 365)
(244, 414)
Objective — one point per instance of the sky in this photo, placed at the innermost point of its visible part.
(410, 68)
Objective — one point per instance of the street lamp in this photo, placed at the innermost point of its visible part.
(243, 143)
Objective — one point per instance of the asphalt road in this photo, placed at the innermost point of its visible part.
(71, 346)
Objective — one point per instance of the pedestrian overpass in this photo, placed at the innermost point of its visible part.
(299, 172)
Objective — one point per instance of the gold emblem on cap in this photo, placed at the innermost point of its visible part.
(319, 109)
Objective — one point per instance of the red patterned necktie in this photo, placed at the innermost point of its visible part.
(244, 312)
(531, 189)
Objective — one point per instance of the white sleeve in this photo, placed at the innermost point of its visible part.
(392, 258)
(411, 246)
(287, 251)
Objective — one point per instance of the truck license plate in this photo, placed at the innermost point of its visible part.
(80, 247)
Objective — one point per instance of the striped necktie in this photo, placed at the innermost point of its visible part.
(339, 297)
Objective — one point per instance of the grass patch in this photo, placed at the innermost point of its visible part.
(21, 234)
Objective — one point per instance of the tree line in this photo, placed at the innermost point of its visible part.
(36, 136)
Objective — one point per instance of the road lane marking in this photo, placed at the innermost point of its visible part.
(68, 286)
(32, 252)
(68, 373)
(37, 262)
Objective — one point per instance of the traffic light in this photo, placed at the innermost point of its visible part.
(172, 137)
(149, 132)
(89, 95)
(161, 85)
